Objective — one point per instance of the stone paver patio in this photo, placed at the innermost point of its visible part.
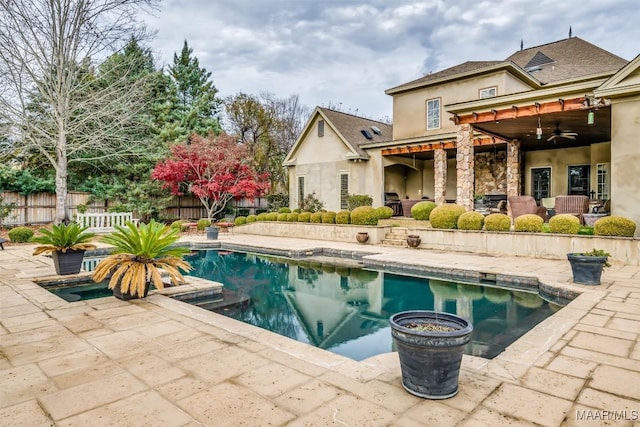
(160, 362)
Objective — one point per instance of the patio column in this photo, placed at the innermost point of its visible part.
(464, 166)
(513, 168)
(440, 175)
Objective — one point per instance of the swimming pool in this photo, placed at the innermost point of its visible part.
(345, 308)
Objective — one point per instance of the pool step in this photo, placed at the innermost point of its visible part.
(397, 237)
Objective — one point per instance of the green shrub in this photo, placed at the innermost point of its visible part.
(281, 217)
(384, 212)
(422, 210)
(297, 210)
(564, 224)
(304, 217)
(284, 210)
(292, 217)
(251, 218)
(528, 223)
(184, 227)
(357, 200)
(177, 225)
(240, 220)
(446, 216)
(614, 226)
(316, 218)
(364, 215)
(469, 220)
(586, 230)
(343, 217)
(311, 203)
(272, 216)
(20, 234)
(203, 223)
(497, 222)
(262, 216)
(328, 217)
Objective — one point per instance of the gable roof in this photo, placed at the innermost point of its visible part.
(623, 82)
(463, 68)
(349, 129)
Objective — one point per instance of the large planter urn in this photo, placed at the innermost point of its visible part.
(212, 232)
(413, 240)
(430, 346)
(69, 262)
(117, 292)
(362, 237)
(587, 269)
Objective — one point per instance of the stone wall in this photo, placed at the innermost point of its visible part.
(491, 173)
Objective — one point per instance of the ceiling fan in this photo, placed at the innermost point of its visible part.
(557, 133)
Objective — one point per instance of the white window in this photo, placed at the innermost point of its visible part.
(344, 190)
(489, 92)
(433, 113)
(604, 187)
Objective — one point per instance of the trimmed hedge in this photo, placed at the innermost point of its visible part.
(422, 210)
(446, 216)
(316, 218)
(177, 224)
(284, 210)
(203, 223)
(384, 212)
(292, 217)
(262, 216)
(343, 217)
(328, 217)
(20, 234)
(251, 218)
(564, 224)
(304, 216)
(282, 217)
(240, 220)
(469, 221)
(364, 215)
(614, 226)
(528, 223)
(272, 216)
(497, 222)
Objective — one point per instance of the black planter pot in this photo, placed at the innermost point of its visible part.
(430, 360)
(69, 262)
(413, 240)
(117, 292)
(212, 233)
(586, 270)
(362, 237)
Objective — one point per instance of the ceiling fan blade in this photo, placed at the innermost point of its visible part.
(569, 134)
(551, 138)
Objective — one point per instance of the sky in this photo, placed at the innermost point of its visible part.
(346, 53)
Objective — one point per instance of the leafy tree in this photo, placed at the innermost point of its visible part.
(23, 181)
(192, 105)
(214, 169)
(47, 74)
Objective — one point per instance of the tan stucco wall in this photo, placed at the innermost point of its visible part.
(625, 158)
(559, 160)
(420, 181)
(409, 108)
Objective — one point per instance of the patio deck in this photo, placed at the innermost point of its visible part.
(162, 362)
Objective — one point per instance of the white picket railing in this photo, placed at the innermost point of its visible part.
(104, 222)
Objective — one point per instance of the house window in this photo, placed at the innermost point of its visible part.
(603, 186)
(579, 180)
(433, 113)
(344, 190)
(300, 190)
(488, 92)
(320, 128)
(540, 183)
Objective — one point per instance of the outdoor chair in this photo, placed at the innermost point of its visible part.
(572, 205)
(522, 205)
(2, 243)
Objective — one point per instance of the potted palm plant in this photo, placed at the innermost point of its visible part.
(587, 267)
(67, 244)
(139, 256)
(430, 346)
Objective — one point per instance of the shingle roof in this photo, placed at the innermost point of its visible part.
(571, 58)
(350, 127)
(465, 67)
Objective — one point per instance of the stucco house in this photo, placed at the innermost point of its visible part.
(556, 119)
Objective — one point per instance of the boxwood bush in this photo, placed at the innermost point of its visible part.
(614, 226)
(292, 217)
(497, 222)
(469, 221)
(384, 212)
(284, 210)
(304, 216)
(272, 216)
(316, 218)
(422, 210)
(564, 224)
(240, 220)
(262, 216)
(328, 217)
(282, 216)
(364, 215)
(446, 216)
(177, 224)
(343, 217)
(203, 223)
(251, 218)
(528, 223)
(20, 234)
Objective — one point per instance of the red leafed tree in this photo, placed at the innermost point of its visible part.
(214, 169)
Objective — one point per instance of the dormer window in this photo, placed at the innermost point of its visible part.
(489, 92)
(320, 128)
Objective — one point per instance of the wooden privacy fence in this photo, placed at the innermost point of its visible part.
(40, 208)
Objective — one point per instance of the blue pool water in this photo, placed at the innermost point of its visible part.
(346, 309)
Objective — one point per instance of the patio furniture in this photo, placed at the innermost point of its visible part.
(523, 205)
(572, 205)
(2, 242)
(393, 201)
(501, 207)
(407, 204)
